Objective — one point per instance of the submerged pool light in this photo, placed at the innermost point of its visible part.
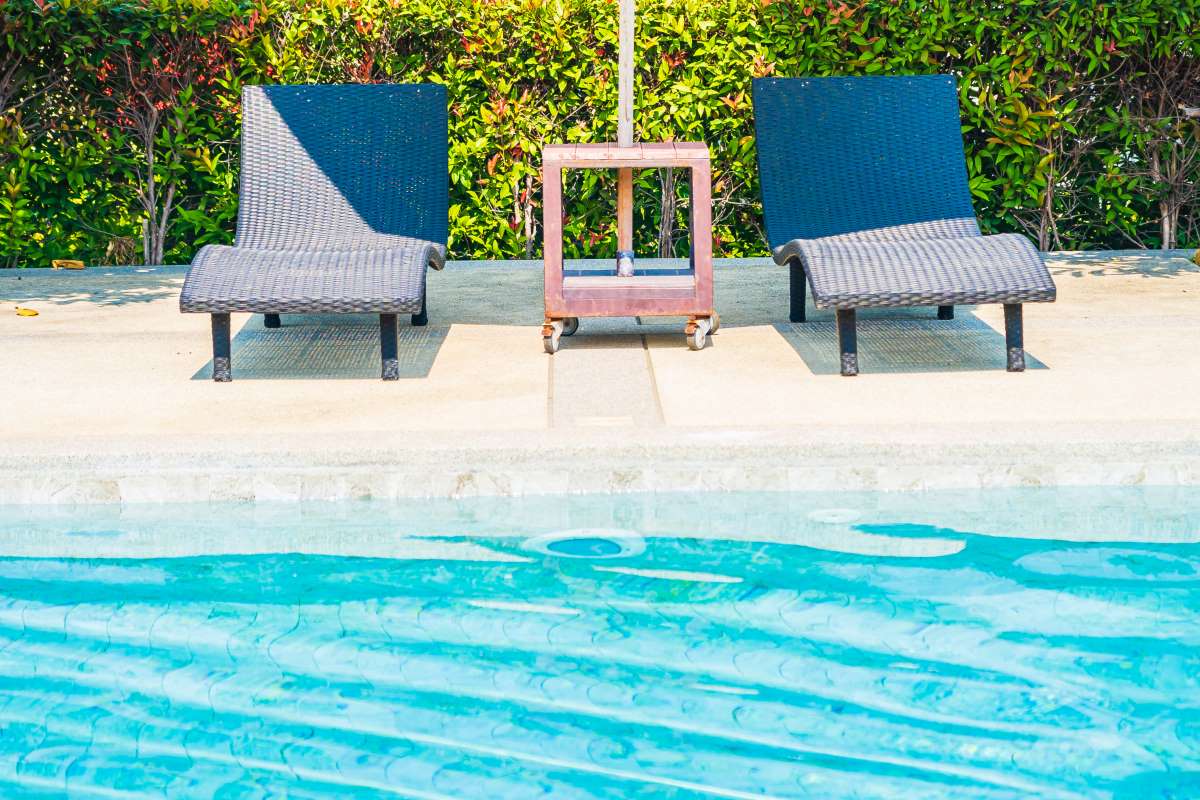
(588, 543)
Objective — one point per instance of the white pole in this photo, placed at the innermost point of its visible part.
(625, 75)
(625, 130)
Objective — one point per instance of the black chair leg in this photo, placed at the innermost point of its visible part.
(798, 291)
(222, 358)
(389, 347)
(271, 321)
(1014, 337)
(848, 340)
(422, 316)
(945, 312)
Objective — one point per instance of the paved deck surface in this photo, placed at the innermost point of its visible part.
(107, 395)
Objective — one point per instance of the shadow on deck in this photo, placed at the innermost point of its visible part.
(326, 347)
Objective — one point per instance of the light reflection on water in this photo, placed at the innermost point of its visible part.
(986, 644)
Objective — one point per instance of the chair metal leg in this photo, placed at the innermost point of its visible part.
(422, 316)
(389, 347)
(222, 358)
(1014, 337)
(798, 290)
(945, 312)
(848, 340)
(271, 321)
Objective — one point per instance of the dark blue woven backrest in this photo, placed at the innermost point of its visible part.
(343, 167)
(845, 155)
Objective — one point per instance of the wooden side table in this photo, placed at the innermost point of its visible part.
(569, 297)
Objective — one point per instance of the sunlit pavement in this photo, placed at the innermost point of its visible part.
(108, 397)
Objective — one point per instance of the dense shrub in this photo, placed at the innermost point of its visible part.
(119, 118)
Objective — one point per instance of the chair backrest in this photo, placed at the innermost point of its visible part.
(342, 167)
(873, 158)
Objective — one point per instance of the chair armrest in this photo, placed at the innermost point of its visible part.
(787, 252)
(437, 256)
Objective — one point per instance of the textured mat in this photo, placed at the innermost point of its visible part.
(331, 346)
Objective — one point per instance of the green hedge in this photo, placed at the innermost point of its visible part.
(112, 113)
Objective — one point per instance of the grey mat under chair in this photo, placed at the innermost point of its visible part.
(864, 189)
(343, 205)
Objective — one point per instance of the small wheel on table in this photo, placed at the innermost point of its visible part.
(697, 331)
(552, 330)
(570, 326)
(716, 323)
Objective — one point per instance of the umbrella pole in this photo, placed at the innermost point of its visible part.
(625, 123)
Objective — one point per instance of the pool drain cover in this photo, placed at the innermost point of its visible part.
(588, 543)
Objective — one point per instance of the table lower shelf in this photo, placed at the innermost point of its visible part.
(641, 287)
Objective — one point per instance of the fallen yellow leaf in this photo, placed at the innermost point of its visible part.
(26, 312)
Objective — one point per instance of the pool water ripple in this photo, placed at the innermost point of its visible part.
(1010, 668)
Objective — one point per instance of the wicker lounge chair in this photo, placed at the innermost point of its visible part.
(864, 188)
(343, 205)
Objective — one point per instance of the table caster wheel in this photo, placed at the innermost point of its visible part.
(552, 331)
(716, 323)
(570, 326)
(697, 331)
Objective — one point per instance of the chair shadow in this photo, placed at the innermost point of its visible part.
(904, 345)
(326, 347)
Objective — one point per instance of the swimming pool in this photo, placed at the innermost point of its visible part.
(1008, 643)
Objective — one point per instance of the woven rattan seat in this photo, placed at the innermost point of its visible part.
(1005, 268)
(865, 194)
(384, 281)
(342, 207)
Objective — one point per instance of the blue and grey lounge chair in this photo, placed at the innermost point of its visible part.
(864, 189)
(343, 205)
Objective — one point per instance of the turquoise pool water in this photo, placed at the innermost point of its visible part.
(977, 644)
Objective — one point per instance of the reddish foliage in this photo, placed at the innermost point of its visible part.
(145, 80)
(761, 67)
(362, 72)
(241, 31)
(840, 14)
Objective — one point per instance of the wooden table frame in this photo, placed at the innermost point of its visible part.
(643, 295)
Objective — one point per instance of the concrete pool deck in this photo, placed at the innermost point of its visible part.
(108, 397)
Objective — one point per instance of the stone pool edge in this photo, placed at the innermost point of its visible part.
(721, 461)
